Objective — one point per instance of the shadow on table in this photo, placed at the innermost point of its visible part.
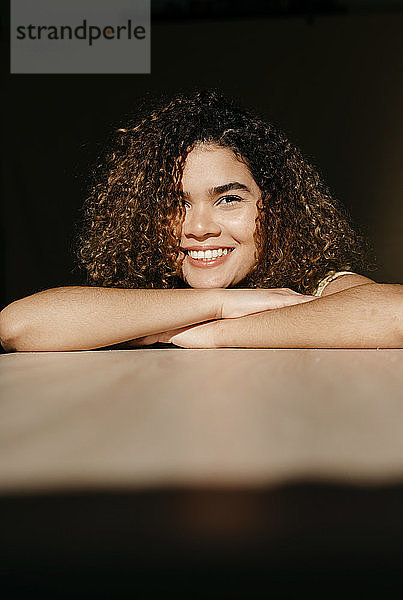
(202, 542)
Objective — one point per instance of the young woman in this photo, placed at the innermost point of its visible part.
(206, 228)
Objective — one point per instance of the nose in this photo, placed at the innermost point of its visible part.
(200, 222)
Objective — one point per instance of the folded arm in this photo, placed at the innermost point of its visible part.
(84, 318)
(369, 315)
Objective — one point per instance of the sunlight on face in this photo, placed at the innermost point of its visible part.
(221, 199)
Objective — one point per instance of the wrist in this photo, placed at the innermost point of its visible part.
(215, 299)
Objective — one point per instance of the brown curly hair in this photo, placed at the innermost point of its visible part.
(135, 207)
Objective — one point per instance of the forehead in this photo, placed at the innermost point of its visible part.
(210, 165)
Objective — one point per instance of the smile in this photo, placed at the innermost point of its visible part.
(208, 258)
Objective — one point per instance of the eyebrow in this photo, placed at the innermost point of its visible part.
(221, 189)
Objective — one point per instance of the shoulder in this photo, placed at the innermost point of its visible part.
(336, 281)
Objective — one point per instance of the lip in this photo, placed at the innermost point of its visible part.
(208, 264)
(205, 247)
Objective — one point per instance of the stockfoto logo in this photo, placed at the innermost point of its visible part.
(80, 36)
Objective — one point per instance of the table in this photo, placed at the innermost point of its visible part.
(274, 461)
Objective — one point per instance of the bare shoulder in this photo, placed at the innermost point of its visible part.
(343, 282)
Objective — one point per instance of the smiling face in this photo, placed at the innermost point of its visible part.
(221, 199)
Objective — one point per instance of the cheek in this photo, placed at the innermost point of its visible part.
(244, 229)
(181, 227)
(177, 225)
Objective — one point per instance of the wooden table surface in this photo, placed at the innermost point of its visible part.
(127, 473)
(145, 418)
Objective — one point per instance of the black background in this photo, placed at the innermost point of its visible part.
(329, 73)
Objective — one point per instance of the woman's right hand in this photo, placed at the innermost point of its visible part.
(241, 302)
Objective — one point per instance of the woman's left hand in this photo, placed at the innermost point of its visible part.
(202, 335)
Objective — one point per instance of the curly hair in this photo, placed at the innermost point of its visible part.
(128, 237)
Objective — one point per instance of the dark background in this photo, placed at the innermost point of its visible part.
(329, 73)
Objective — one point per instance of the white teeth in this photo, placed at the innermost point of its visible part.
(209, 254)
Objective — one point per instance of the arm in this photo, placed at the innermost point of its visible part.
(82, 318)
(366, 315)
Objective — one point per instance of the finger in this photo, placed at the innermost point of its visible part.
(301, 299)
(196, 336)
(292, 301)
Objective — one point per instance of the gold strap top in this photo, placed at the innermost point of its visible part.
(331, 276)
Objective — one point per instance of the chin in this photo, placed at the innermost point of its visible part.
(206, 285)
(207, 282)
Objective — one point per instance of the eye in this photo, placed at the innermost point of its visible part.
(229, 200)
